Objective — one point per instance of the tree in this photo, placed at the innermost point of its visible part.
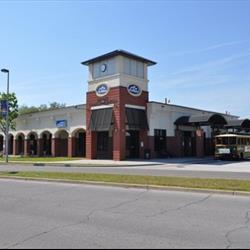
(56, 105)
(24, 109)
(13, 111)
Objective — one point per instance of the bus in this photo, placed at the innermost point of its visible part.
(232, 146)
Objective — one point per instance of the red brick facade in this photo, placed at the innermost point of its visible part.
(119, 97)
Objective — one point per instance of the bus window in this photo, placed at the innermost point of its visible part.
(244, 141)
(225, 140)
(248, 141)
(232, 140)
(219, 140)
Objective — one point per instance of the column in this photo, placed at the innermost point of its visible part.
(15, 147)
(71, 146)
(40, 147)
(119, 133)
(26, 147)
(91, 140)
(54, 147)
(199, 143)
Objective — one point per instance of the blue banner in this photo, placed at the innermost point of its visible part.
(3, 104)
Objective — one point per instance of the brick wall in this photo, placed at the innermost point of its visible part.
(118, 96)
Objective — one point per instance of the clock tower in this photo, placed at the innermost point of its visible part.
(116, 115)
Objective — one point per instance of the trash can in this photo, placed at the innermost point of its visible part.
(147, 154)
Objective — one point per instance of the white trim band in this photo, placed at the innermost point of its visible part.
(135, 106)
(102, 107)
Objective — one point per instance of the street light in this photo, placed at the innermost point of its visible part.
(7, 116)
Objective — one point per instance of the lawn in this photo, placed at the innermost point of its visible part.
(194, 183)
(39, 159)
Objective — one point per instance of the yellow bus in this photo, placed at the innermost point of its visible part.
(232, 146)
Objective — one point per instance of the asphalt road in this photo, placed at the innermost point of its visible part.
(205, 169)
(52, 215)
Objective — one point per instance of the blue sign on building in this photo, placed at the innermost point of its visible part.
(61, 124)
(102, 90)
(134, 90)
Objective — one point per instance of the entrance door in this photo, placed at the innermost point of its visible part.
(81, 144)
(103, 145)
(189, 144)
(132, 144)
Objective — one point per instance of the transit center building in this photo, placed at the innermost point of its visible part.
(118, 120)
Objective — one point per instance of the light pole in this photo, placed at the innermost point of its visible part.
(7, 116)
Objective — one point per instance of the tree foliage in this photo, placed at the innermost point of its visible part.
(24, 109)
(13, 111)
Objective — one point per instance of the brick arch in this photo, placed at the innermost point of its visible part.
(19, 143)
(60, 143)
(32, 143)
(1, 143)
(45, 143)
(77, 143)
(11, 144)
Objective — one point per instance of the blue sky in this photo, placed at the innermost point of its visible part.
(202, 49)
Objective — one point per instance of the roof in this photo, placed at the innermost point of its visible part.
(116, 53)
(208, 119)
(190, 108)
(243, 123)
(202, 120)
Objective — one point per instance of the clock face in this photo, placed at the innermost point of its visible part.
(103, 67)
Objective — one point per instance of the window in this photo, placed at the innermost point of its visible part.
(232, 140)
(133, 67)
(160, 140)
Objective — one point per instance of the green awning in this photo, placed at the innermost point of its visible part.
(136, 119)
(101, 119)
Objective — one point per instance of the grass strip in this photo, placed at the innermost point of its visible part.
(199, 183)
(39, 159)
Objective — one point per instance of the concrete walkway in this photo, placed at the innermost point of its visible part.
(139, 162)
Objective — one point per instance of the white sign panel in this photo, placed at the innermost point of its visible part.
(247, 148)
(134, 90)
(102, 90)
(224, 151)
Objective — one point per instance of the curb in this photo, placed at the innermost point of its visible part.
(127, 185)
(41, 164)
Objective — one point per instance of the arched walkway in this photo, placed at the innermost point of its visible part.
(45, 143)
(61, 143)
(1, 143)
(20, 144)
(79, 142)
(11, 144)
(32, 144)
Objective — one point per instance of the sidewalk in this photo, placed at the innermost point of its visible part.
(136, 162)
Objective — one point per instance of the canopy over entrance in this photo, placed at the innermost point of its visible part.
(201, 120)
(101, 119)
(243, 124)
(136, 119)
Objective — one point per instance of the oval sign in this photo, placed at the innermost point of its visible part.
(134, 90)
(102, 90)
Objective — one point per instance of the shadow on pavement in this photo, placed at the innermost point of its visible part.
(201, 161)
